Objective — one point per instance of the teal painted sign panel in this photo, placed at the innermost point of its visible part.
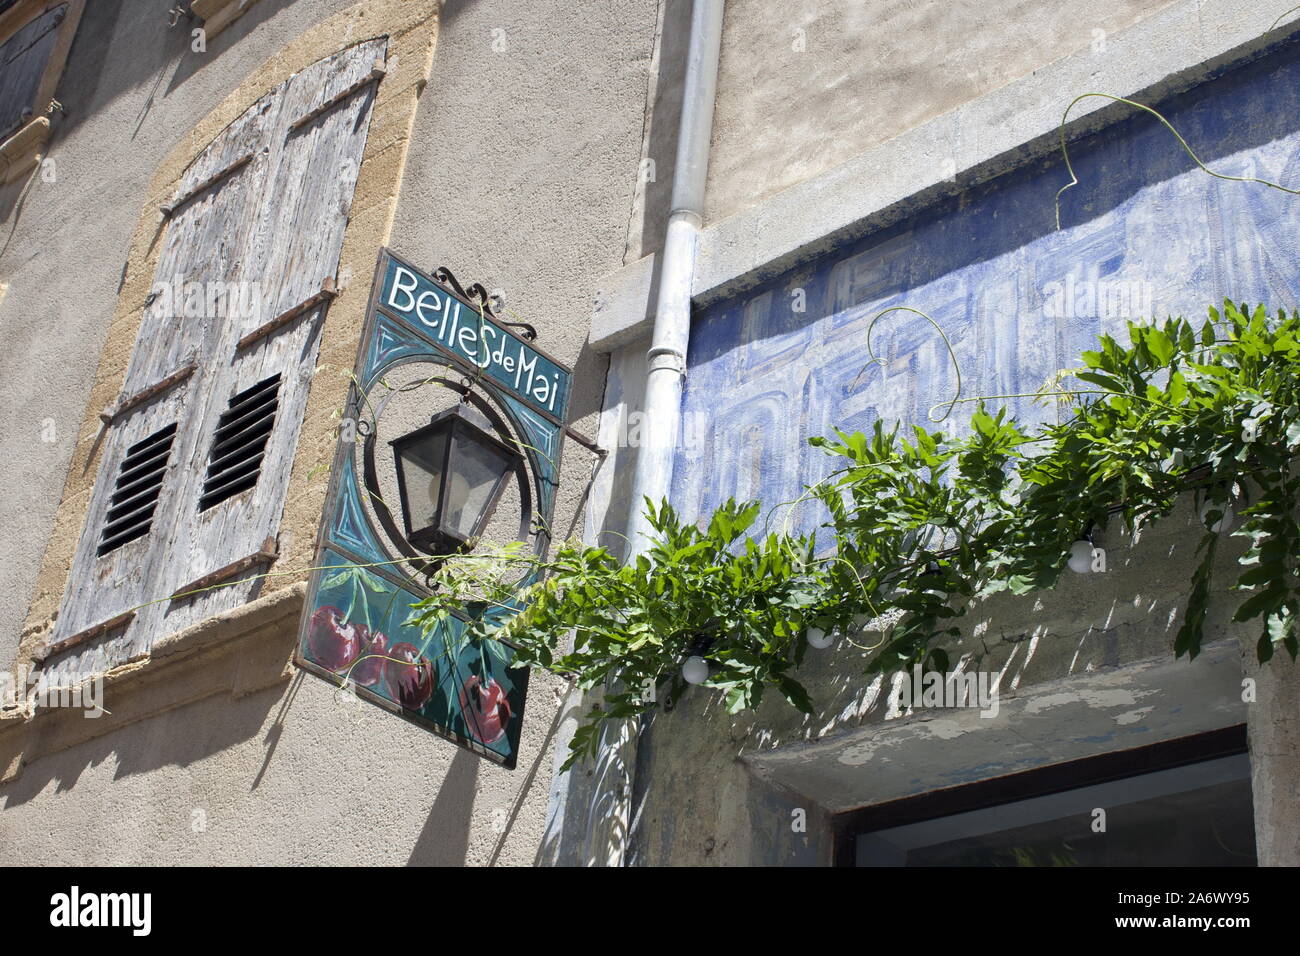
(463, 689)
(473, 338)
(356, 629)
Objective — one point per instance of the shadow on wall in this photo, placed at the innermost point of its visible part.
(444, 840)
(192, 62)
(164, 740)
(665, 120)
(700, 801)
(93, 79)
(1145, 232)
(192, 734)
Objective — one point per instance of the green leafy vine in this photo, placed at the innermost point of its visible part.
(922, 524)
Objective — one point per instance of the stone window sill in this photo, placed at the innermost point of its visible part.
(219, 14)
(21, 151)
(239, 652)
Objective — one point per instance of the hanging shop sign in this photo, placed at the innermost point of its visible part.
(454, 427)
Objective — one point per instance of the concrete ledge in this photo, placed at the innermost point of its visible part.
(623, 306)
(266, 611)
(1081, 716)
(1171, 51)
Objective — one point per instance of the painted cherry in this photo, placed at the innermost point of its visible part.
(333, 642)
(372, 666)
(410, 682)
(485, 707)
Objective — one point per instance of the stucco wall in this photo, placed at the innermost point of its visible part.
(806, 84)
(520, 176)
(267, 771)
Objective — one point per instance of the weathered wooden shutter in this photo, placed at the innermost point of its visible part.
(205, 242)
(22, 65)
(225, 352)
(240, 471)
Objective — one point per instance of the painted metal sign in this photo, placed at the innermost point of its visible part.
(356, 630)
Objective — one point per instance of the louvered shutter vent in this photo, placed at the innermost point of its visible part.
(135, 493)
(240, 442)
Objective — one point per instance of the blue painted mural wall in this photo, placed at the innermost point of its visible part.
(1144, 233)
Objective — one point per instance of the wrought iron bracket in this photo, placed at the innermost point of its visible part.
(476, 291)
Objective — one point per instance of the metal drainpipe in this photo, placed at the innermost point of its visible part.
(666, 360)
(609, 799)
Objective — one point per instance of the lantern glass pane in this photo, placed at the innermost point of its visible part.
(476, 468)
(422, 464)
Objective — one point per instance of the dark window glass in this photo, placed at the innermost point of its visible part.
(1196, 815)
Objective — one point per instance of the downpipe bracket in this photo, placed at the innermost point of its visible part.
(666, 360)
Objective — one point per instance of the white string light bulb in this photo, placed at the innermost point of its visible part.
(1223, 523)
(819, 638)
(1081, 557)
(695, 670)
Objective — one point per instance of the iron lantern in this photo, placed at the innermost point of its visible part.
(450, 475)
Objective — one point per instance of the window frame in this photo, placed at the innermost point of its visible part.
(23, 147)
(236, 350)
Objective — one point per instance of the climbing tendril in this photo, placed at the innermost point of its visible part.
(873, 359)
(1074, 179)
